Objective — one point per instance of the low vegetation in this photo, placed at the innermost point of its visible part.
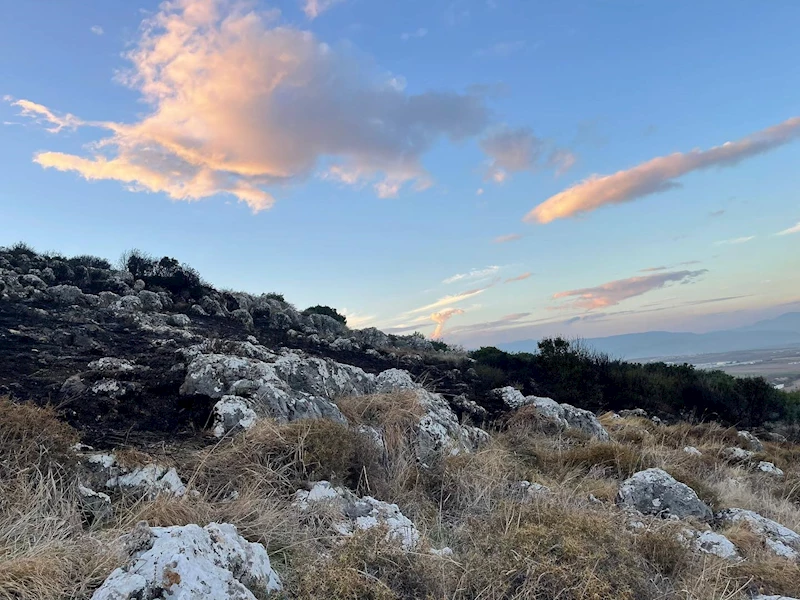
(569, 542)
(572, 373)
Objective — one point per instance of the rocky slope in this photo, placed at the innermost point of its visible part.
(198, 443)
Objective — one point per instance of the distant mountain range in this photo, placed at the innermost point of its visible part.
(780, 332)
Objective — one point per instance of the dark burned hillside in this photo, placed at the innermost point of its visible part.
(60, 315)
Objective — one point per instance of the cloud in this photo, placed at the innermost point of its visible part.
(509, 237)
(658, 174)
(795, 229)
(515, 150)
(356, 321)
(42, 114)
(473, 275)
(518, 277)
(451, 299)
(97, 30)
(500, 50)
(653, 269)
(479, 192)
(739, 240)
(442, 317)
(314, 8)
(419, 33)
(614, 292)
(663, 268)
(238, 104)
(716, 213)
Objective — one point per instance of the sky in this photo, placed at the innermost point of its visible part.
(481, 171)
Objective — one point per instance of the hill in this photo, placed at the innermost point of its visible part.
(162, 438)
(780, 332)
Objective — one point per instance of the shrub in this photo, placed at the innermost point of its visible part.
(165, 274)
(327, 311)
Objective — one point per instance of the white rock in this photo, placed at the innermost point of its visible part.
(232, 412)
(656, 492)
(692, 451)
(781, 540)
(511, 397)
(768, 467)
(763, 597)
(153, 478)
(738, 454)
(190, 563)
(358, 513)
(570, 417)
(710, 542)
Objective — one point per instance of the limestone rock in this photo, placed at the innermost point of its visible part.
(753, 443)
(353, 513)
(190, 562)
(232, 413)
(781, 540)
(656, 492)
(710, 542)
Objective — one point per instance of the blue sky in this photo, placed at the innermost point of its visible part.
(501, 169)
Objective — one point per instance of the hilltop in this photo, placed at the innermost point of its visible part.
(162, 438)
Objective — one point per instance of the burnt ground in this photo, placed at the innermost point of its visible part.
(43, 344)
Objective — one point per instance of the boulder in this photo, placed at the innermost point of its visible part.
(566, 416)
(752, 442)
(561, 416)
(768, 467)
(151, 302)
(190, 562)
(656, 492)
(244, 317)
(66, 294)
(179, 320)
(779, 539)
(692, 451)
(710, 542)
(351, 513)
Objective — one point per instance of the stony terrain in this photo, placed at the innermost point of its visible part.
(163, 439)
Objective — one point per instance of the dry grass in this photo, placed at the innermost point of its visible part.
(506, 545)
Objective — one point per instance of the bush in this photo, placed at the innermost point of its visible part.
(570, 372)
(166, 274)
(327, 311)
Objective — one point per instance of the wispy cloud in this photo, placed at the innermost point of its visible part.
(446, 300)
(314, 8)
(509, 237)
(42, 114)
(685, 263)
(501, 49)
(716, 213)
(515, 150)
(442, 317)
(479, 192)
(739, 240)
(791, 230)
(658, 175)
(419, 33)
(474, 274)
(614, 292)
(518, 278)
(240, 104)
(97, 30)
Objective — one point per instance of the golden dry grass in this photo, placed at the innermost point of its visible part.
(506, 545)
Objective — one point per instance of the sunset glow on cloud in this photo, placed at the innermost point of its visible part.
(658, 174)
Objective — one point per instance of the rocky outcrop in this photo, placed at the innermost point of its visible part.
(439, 431)
(751, 441)
(352, 513)
(560, 416)
(779, 539)
(190, 562)
(656, 492)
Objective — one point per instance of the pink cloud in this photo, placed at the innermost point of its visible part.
(314, 8)
(238, 104)
(614, 292)
(658, 174)
(518, 277)
(442, 317)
